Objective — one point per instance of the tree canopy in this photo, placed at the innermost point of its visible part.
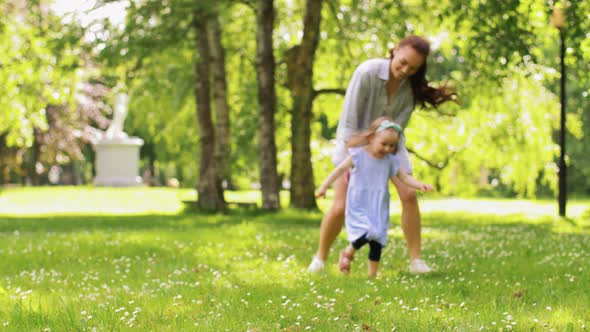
(501, 56)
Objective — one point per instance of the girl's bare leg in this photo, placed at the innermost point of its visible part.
(373, 267)
(346, 257)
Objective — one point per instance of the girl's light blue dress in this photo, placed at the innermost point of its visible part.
(367, 199)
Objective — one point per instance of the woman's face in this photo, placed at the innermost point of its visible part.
(406, 62)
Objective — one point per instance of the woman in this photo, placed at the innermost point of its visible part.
(383, 87)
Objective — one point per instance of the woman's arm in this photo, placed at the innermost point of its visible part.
(410, 181)
(344, 166)
(355, 101)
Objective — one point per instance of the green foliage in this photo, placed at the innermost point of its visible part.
(38, 68)
(165, 119)
(503, 57)
(239, 39)
(507, 128)
(496, 34)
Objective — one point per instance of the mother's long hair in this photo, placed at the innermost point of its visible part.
(423, 93)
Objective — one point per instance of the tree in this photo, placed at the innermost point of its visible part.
(265, 69)
(147, 45)
(222, 111)
(300, 60)
(209, 189)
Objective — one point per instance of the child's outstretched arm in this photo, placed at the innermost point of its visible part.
(412, 182)
(344, 166)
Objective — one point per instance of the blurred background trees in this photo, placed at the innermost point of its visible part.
(57, 73)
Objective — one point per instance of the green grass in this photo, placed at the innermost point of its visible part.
(84, 259)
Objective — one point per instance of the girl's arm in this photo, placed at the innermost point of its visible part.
(410, 181)
(344, 166)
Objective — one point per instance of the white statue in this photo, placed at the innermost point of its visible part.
(117, 154)
(115, 130)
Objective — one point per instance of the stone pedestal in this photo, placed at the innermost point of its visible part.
(117, 162)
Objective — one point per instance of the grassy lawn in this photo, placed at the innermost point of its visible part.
(91, 259)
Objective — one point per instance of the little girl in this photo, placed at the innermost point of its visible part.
(367, 200)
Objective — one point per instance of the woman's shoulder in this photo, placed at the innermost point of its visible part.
(372, 66)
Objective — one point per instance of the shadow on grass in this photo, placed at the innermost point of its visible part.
(183, 221)
(284, 218)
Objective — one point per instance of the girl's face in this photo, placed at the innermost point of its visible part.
(383, 143)
(406, 62)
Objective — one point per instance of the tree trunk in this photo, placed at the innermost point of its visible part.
(34, 154)
(222, 134)
(300, 81)
(4, 169)
(152, 164)
(210, 191)
(267, 101)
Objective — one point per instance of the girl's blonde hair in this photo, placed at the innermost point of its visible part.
(363, 137)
